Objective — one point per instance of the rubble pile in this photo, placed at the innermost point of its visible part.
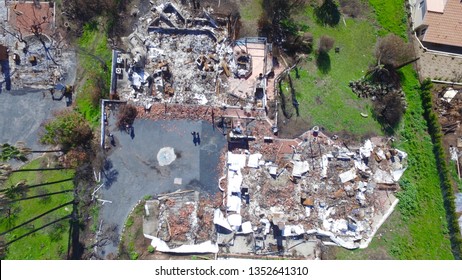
(180, 56)
(176, 112)
(184, 218)
(274, 192)
(324, 189)
(448, 104)
(174, 222)
(174, 57)
(38, 58)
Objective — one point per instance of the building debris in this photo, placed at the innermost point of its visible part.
(38, 56)
(309, 199)
(278, 196)
(176, 56)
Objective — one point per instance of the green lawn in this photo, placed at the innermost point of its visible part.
(250, 12)
(52, 241)
(391, 16)
(320, 92)
(418, 230)
(95, 62)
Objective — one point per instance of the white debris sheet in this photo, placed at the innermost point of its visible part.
(293, 230)
(450, 94)
(366, 150)
(202, 248)
(254, 160)
(300, 168)
(246, 228)
(233, 204)
(235, 220)
(383, 177)
(348, 175)
(236, 161)
(219, 219)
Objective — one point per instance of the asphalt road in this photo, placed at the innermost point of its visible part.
(132, 170)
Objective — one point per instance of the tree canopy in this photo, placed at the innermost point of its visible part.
(69, 129)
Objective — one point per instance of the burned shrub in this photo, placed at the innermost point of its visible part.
(126, 116)
(389, 109)
(326, 43)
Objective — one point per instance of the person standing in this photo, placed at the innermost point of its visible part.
(194, 138)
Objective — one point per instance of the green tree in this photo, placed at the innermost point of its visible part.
(328, 13)
(9, 152)
(69, 130)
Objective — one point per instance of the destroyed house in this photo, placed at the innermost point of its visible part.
(204, 66)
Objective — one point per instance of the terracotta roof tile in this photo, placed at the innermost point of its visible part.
(25, 15)
(445, 28)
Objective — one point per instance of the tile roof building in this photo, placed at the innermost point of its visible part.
(438, 23)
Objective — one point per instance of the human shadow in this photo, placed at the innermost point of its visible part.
(110, 174)
(5, 65)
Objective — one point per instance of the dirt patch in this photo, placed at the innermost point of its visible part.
(134, 245)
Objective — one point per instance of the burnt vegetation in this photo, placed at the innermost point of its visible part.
(383, 80)
(126, 116)
(391, 53)
(352, 8)
(280, 28)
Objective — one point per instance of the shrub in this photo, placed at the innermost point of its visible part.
(352, 8)
(126, 116)
(389, 109)
(326, 43)
(440, 155)
(392, 51)
(328, 13)
(69, 129)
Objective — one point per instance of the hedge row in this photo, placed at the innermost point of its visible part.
(446, 186)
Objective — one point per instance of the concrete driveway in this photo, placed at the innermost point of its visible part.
(21, 114)
(133, 171)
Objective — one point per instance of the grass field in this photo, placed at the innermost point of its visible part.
(391, 16)
(319, 92)
(250, 11)
(95, 64)
(50, 242)
(418, 230)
